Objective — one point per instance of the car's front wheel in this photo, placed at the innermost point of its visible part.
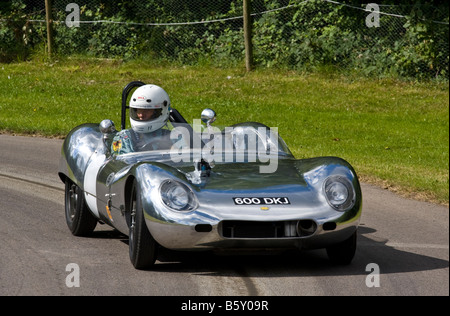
(343, 252)
(143, 248)
(79, 218)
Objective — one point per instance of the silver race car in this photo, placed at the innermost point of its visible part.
(201, 187)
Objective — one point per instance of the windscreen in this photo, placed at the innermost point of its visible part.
(245, 142)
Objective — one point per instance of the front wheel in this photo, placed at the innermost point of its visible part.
(79, 218)
(343, 252)
(143, 248)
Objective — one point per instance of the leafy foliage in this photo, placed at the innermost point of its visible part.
(17, 34)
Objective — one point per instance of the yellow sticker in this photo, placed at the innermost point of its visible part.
(117, 145)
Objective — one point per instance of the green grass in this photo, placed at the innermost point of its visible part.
(394, 133)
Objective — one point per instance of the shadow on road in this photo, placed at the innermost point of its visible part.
(291, 263)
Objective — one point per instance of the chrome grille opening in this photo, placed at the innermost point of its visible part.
(253, 229)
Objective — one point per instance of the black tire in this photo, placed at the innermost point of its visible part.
(79, 218)
(143, 248)
(343, 253)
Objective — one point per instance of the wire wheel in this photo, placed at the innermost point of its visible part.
(79, 218)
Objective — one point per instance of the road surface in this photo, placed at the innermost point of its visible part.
(403, 247)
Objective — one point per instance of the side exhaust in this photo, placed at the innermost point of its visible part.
(306, 227)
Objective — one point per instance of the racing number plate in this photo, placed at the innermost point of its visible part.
(261, 201)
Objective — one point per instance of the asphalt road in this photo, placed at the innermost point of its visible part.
(406, 241)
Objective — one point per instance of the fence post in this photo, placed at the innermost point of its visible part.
(248, 35)
(49, 20)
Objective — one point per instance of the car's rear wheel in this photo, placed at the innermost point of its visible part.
(343, 252)
(143, 248)
(79, 218)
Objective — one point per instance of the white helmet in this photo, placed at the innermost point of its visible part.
(149, 108)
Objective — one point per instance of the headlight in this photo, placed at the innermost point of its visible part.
(177, 196)
(339, 192)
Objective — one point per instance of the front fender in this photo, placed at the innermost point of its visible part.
(316, 170)
(149, 177)
(77, 151)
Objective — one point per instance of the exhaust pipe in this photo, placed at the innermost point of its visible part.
(306, 227)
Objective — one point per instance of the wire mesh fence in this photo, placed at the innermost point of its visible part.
(375, 39)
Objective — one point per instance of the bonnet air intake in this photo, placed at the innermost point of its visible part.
(255, 230)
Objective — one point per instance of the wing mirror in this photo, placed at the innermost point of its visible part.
(208, 116)
(108, 129)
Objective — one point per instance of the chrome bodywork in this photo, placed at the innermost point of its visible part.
(217, 221)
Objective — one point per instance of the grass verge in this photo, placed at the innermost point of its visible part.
(395, 133)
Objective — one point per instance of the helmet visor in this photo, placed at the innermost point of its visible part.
(145, 115)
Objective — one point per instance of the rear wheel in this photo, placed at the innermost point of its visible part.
(79, 219)
(343, 252)
(143, 248)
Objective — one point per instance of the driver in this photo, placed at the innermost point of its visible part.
(149, 112)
